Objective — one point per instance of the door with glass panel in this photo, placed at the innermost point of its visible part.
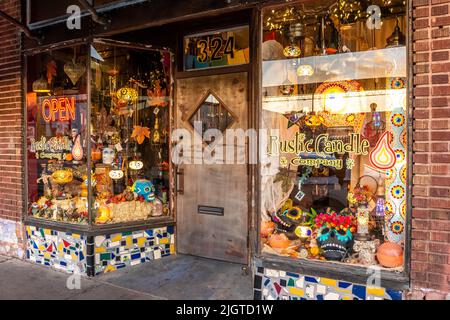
(212, 180)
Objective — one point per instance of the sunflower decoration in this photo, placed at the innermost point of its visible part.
(140, 133)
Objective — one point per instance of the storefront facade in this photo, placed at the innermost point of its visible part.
(333, 184)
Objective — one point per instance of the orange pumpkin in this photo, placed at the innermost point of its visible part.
(390, 255)
(69, 157)
(267, 228)
(279, 241)
(96, 155)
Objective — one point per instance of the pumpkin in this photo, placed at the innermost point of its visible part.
(105, 214)
(96, 155)
(279, 241)
(390, 255)
(267, 228)
(62, 176)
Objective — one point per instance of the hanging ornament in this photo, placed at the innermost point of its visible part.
(140, 133)
(74, 71)
(383, 156)
(373, 129)
(313, 120)
(292, 51)
(127, 96)
(294, 118)
(136, 165)
(156, 139)
(77, 150)
(305, 70)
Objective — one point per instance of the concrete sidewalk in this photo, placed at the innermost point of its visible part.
(177, 277)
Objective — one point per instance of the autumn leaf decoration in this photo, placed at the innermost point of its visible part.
(139, 133)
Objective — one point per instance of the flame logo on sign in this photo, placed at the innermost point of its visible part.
(382, 156)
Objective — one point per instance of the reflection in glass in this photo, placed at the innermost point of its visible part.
(211, 114)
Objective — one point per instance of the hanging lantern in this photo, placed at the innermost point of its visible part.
(305, 70)
(136, 165)
(41, 86)
(127, 95)
(313, 120)
(292, 51)
(397, 38)
(116, 174)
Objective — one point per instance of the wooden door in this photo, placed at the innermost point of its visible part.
(212, 209)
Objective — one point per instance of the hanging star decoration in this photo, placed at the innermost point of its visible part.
(293, 118)
(140, 133)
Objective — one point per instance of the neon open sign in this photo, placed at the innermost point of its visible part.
(58, 109)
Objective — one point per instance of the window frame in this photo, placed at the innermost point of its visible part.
(338, 270)
(91, 228)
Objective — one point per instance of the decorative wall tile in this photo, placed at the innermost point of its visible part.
(116, 251)
(61, 250)
(275, 285)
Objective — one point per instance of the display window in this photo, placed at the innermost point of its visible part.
(57, 106)
(334, 110)
(98, 123)
(130, 133)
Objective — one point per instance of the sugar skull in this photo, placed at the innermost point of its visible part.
(287, 219)
(335, 243)
(108, 156)
(146, 189)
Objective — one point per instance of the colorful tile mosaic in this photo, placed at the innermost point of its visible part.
(279, 285)
(61, 250)
(119, 250)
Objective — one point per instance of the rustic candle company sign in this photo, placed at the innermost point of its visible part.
(322, 146)
(53, 148)
(58, 109)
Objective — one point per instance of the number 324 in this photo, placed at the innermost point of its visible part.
(213, 49)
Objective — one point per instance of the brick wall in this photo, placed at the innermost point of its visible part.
(430, 264)
(10, 115)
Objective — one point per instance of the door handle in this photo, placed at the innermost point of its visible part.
(180, 181)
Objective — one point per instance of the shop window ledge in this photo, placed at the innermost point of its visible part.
(396, 280)
(93, 230)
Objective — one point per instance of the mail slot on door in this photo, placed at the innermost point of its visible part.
(215, 211)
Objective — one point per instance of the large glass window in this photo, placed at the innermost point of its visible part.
(57, 135)
(119, 155)
(130, 131)
(334, 108)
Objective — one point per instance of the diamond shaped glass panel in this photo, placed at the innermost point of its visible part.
(211, 114)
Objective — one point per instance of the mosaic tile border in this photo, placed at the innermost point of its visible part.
(62, 250)
(117, 251)
(272, 284)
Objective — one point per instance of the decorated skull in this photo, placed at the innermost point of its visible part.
(145, 189)
(287, 219)
(335, 243)
(335, 234)
(108, 156)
